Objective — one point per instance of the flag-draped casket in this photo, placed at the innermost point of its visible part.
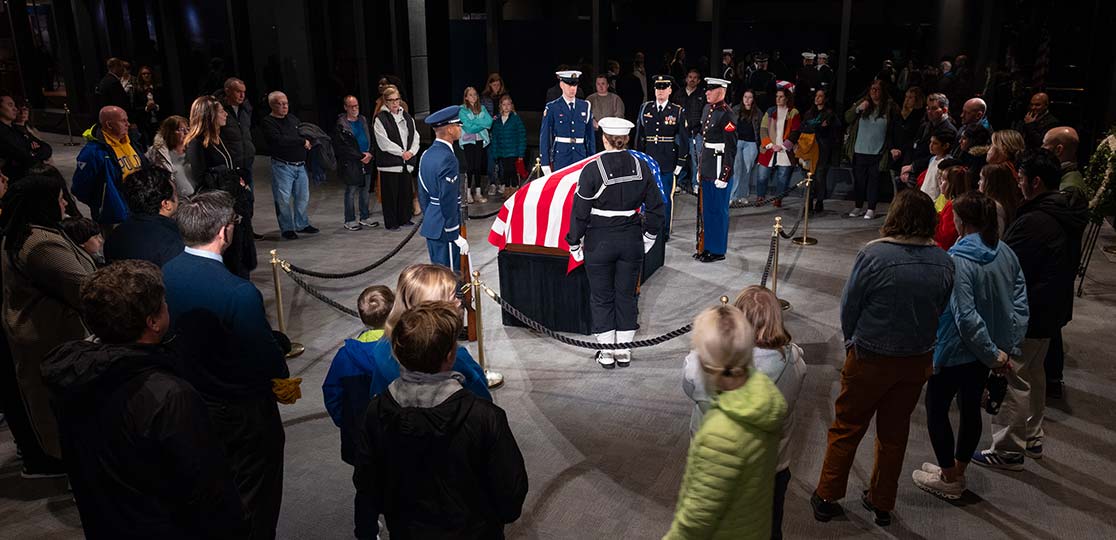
(537, 274)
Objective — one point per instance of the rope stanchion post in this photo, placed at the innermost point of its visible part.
(805, 239)
(494, 378)
(776, 229)
(296, 348)
(69, 129)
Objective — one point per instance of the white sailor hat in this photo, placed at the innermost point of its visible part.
(615, 126)
(809, 55)
(569, 76)
(726, 51)
(823, 56)
(714, 82)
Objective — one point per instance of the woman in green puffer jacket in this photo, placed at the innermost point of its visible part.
(727, 489)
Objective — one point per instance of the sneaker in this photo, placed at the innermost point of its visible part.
(409, 223)
(993, 460)
(871, 214)
(1055, 389)
(290, 235)
(367, 222)
(623, 357)
(935, 484)
(881, 517)
(930, 468)
(352, 226)
(257, 236)
(36, 472)
(778, 203)
(824, 510)
(759, 201)
(309, 229)
(606, 359)
(492, 190)
(469, 196)
(1033, 449)
(855, 212)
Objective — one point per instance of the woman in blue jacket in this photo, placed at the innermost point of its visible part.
(981, 329)
(475, 124)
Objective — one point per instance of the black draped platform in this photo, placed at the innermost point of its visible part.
(534, 280)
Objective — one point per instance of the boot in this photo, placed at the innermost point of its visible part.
(605, 357)
(469, 196)
(479, 197)
(624, 356)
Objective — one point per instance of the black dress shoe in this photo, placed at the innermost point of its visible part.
(819, 208)
(1055, 389)
(711, 257)
(409, 223)
(881, 517)
(699, 256)
(257, 236)
(309, 229)
(290, 235)
(824, 510)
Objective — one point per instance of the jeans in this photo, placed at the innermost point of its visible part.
(966, 382)
(287, 182)
(743, 169)
(360, 191)
(782, 178)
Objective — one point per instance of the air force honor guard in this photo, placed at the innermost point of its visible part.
(718, 131)
(661, 133)
(566, 135)
(610, 233)
(440, 193)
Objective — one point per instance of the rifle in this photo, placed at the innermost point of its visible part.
(466, 271)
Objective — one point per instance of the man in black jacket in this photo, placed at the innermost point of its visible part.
(290, 185)
(937, 119)
(434, 459)
(19, 149)
(1046, 236)
(237, 131)
(150, 232)
(137, 440)
(110, 91)
(352, 145)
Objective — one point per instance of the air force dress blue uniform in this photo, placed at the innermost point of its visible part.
(661, 133)
(566, 135)
(439, 196)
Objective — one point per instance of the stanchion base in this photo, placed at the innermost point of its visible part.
(296, 350)
(804, 240)
(495, 378)
(785, 304)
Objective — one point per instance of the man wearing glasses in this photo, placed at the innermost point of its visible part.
(290, 186)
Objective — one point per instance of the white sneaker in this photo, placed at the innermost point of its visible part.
(935, 484)
(368, 222)
(931, 468)
(605, 357)
(352, 226)
(871, 214)
(624, 356)
(469, 196)
(855, 212)
(480, 196)
(492, 190)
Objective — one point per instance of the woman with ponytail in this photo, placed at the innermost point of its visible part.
(981, 329)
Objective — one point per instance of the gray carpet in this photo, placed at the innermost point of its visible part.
(605, 450)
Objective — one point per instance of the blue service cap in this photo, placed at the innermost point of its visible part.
(448, 115)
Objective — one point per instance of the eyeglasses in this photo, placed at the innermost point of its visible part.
(393, 100)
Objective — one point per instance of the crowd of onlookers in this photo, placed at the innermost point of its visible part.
(182, 437)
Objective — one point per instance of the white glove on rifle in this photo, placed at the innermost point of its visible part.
(677, 170)
(648, 243)
(719, 184)
(462, 244)
(575, 252)
(545, 169)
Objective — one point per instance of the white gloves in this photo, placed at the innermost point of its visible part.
(719, 184)
(462, 244)
(575, 252)
(545, 169)
(648, 242)
(677, 170)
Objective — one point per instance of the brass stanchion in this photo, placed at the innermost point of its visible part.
(69, 130)
(776, 229)
(805, 239)
(296, 348)
(494, 378)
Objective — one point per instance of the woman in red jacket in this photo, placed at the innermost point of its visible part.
(778, 134)
(955, 183)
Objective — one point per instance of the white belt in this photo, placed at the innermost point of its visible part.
(571, 140)
(718, 146)
(612, 213)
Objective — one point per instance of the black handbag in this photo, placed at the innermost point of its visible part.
(995, 390)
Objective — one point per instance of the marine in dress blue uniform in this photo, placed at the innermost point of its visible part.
(718, 132)
(662, 134)
(617, 213)
(439, 192)
(566, 135)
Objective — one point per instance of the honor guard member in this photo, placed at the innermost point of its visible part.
(610, 233)
(826, 77)
(566, 135)
(718, 133)
(806, 80)
(661, 133)
(762, 83)
(439, 192)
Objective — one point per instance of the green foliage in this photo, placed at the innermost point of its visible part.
(1100, 179)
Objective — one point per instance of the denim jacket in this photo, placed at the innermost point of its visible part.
(898, 288)
(988, 310)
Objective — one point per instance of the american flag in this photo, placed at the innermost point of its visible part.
(539, 212)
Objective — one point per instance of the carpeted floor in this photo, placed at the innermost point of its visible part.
(605, 450)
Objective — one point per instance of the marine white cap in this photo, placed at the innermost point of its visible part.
(714, 82)
(615, 126)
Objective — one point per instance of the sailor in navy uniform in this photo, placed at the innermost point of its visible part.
(661, 133)
(610, 232)
(718, 132)
(566, 135)
(439, 192)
